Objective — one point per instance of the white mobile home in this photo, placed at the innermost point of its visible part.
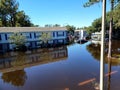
(96, 37)
(81, 34)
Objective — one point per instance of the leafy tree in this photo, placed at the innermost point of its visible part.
(0, 23)
(12, 11)
(23, 19)
(46, 36)
(97, 24)
(116, 16)
(90, 29)
(56, 25)
(10, 16)
(91, 2)
(8, 10)
(18, 39)
(95, 27)
(116, 22)
(70, 29)
(3, 12)
(48, 25)
(111, 27)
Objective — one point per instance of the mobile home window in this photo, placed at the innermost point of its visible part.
(0, 37)
(5, 36)
(34, 35)
(0, 46)
(30, 35)
(60, 33)
(53, 34)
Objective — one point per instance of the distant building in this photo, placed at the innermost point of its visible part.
(32, 34)
(81, 34)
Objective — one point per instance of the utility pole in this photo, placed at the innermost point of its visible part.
(102, 46)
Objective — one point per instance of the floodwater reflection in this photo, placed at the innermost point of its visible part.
(20, 60)
(16, 78)
(94, 49)
(73, 67)
(112, 65)
(12, 64)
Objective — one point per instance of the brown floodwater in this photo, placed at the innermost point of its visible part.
(73, 67)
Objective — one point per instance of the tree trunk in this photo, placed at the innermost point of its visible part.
(110, 41)
(110, 30)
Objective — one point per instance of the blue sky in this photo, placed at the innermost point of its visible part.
(60, 12)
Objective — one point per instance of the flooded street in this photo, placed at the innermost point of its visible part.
(73, 67)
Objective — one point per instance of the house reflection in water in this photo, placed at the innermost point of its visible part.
(18, 60)
(12, 64)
